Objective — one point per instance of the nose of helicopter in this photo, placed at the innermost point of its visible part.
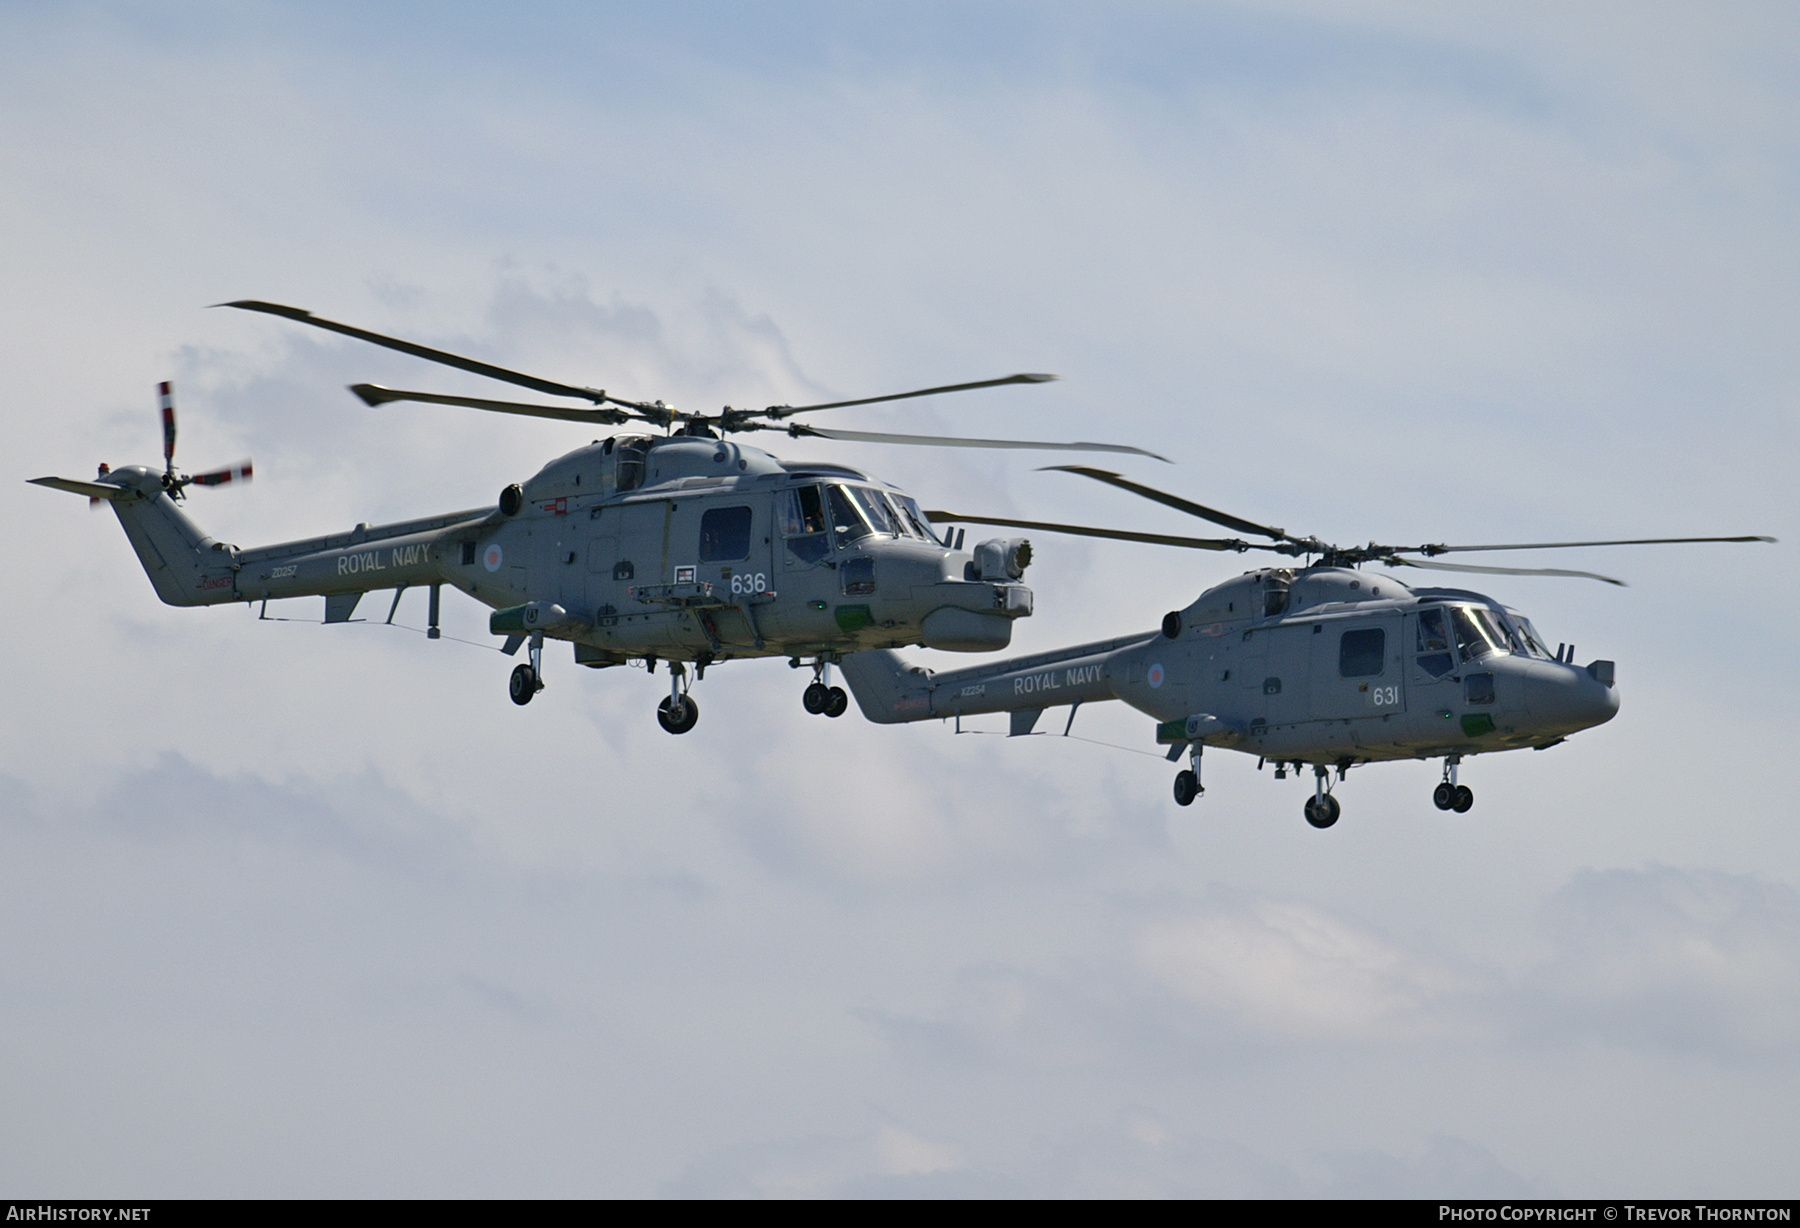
(1567, 698)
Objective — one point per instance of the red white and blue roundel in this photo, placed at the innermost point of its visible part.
(493, 557)
(1155, 676)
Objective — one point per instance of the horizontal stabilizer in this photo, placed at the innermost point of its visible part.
(93, 490)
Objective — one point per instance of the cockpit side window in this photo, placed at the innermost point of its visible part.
(801, 514)
(1433, 644)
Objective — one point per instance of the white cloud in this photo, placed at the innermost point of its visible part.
(1293, 970)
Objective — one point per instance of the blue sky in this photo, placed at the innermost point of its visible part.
(290, 909)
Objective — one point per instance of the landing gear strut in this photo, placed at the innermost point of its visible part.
(528, 680)
(821, 698)
(1449, 795)
(1322, 809)
(1187, 781)
(679, 712)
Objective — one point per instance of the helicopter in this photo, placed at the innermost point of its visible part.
(1322, 665)
(684, 547)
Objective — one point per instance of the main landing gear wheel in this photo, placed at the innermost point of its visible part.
(1187, 788)
(816, 698)
(1444, 796)
(836, 703)
(523, 684)
(1465, 798)
(678, 716)
(1322, 811)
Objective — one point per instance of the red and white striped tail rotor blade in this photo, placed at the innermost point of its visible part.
(165, 400)
(239, 472)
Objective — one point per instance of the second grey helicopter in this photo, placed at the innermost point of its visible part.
(1322, 666)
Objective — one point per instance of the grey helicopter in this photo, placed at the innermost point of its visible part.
(682, 547)
(1323, 664)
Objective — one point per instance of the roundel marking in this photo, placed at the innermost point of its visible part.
(1155, 676)
(493, 557)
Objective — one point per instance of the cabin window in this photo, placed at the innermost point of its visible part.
(1275, 596)
(468, 554)
(628, 463)
(1360, 653)
(1478, 688)
(725, 535)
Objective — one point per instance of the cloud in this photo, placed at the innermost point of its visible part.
(1137, 1155)
(1692, 960)
(1297, 971)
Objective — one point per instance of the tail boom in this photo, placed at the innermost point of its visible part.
(890, 691)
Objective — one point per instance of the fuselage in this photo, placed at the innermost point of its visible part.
(673, 547)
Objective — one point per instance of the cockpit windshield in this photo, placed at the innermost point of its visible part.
(873, 507)
(1528, 635)
(847, 518)
(908, 518)
(1478, 632)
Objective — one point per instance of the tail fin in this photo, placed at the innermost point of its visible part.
(185, 566)
(887, 689)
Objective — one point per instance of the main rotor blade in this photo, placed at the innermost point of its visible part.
(1501, 571)
(778, 412)
(1123, 535)
(93, 490)
(375, 394)
(1634, 541)
(597, 396)
(1175, 501)
(800, 429)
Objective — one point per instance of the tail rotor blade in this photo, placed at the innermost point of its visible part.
(165, 399)
(239, 472)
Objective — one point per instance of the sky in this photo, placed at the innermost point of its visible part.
(295, 910)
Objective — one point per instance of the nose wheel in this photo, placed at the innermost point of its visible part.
(1451, 796)
(820, 699)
